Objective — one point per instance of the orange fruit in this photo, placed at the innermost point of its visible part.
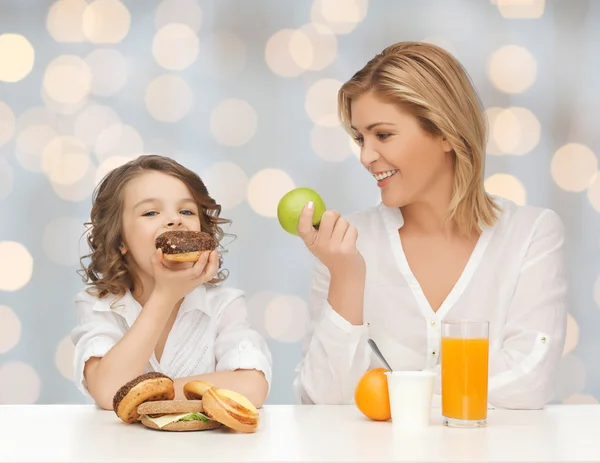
(371, 395)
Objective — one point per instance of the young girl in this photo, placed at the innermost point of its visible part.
(141, 313)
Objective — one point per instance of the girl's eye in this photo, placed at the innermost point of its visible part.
(149, 214)
(383, 136)
(358, 140)
(187, 212)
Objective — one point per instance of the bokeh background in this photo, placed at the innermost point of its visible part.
(244, 93)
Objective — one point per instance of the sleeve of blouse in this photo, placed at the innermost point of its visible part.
(523, 364)
(238, 345)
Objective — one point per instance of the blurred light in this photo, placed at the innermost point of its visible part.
(30, 145)
(572, 336)
(63, 109)
(110, 164)
(512, 69)
(516, 131)
(65, 20)
(68, 79)
(175, 47)
(341, 16)
(17, 266)
(321, 102)
(574, 167)
(17, 57)
(313, 47)
(65, 160)
(10, 328)
(594, 192)
(106, 21)
(506, 186)
(19, 383)
(78, 191)
(64, 357)
(520, 9)
(278, 52)
(265, 189)
(118, 140)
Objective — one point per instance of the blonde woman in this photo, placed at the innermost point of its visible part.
(437, 247)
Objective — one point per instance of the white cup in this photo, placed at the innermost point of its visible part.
(410, 394)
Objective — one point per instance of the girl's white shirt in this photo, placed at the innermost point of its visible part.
(211, 333)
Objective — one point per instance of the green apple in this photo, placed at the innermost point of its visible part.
(290, 207)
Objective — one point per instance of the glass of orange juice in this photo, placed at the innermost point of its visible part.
(465, 353)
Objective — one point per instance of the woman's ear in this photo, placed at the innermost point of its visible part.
(123, 249)
(446, 146)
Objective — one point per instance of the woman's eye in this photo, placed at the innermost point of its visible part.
(358, 140)
(383, 136)
(187, 212)
(149, 214)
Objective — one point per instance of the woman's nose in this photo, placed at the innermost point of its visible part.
(368, 156)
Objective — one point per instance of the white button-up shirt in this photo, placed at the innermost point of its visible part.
(515, 279)
(211, 333)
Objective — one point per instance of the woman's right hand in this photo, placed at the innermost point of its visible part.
(334, 243)
(174, 284)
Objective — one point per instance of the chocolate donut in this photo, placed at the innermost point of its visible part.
(184, 246)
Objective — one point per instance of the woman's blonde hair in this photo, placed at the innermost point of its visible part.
(107, 272)
(431, 84)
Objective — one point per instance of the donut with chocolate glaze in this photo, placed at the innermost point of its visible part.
(184, 245)
(145, 388)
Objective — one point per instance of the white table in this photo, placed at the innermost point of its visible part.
(82, 433)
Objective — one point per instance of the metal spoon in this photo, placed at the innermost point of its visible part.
(379, 354)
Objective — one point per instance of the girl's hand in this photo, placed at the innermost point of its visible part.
(174, 284)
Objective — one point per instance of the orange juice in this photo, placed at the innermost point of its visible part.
(464, 378)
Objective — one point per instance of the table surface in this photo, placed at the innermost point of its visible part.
(83, 433)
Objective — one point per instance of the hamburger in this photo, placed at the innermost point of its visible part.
(184, 245)
(176, 415)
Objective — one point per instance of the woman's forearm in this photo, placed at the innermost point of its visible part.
(346, 296)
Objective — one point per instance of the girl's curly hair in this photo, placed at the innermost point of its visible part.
(107, 272)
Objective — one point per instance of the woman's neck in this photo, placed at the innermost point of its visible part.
(429, 215)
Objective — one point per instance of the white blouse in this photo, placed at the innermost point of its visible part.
(515, 279)
(211, 333)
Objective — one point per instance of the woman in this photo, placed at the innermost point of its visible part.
(438, 247)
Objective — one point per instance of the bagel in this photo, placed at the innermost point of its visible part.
(145, 388)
